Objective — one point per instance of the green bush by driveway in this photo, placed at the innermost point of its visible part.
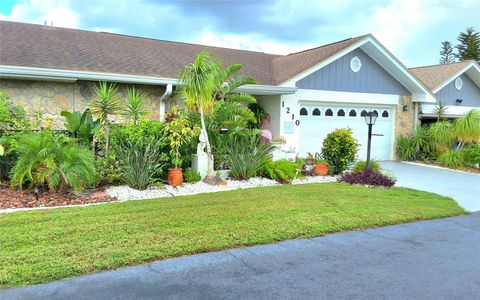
(41, 246)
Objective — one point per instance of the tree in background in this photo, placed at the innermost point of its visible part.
(446, 53)
(468, 46)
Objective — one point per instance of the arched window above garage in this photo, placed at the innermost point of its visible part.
(316, 112)
(341, 113)
(375, 112)
(352, 113)
(385, 114)
(303, 111)
(329, 113)
(363, 113)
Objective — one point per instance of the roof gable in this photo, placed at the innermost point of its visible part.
(436, 76)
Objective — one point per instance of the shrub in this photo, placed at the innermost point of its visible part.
(466, 129)
(451, 158)
(362, 166)
(368, 177)
(247, 156)
(139, 162)
(339, 149)
(283, 171)
(405, 148)
(440, 134)
(12, 117)
(191, 176)
(52, 159)
(472, 155)
(81, 125)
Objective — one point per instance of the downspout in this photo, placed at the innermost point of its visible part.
(168, 92)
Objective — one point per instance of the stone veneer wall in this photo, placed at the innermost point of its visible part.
(404, 120)
(52, 97)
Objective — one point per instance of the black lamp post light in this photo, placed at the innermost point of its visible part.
(370, 119)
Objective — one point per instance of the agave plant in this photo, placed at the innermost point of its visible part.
(81, 125)
(135, 107)
(58, 162)
(466, 130)
(105, 104)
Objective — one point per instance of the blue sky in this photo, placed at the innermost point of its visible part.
(411, 29)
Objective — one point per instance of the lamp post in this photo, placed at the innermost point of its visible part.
(370, 119)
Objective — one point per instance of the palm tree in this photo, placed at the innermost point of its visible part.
(204, 82)
(466, 129)
(104, 104)
(135, 107)
(441, 110)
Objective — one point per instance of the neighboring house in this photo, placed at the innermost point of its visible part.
(308, 94)
(455, 84)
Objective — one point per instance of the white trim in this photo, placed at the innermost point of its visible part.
(258, 89)
(71, 75)
(422, 94)
(456, 75)
(306, 95)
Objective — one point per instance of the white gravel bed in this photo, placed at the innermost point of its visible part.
(124, 192)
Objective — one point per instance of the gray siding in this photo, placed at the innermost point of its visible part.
(469, 93)
(337, 76)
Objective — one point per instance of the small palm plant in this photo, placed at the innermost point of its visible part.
(56, 161)
(105, 104)
(441, 110)
(135, 107)
(466, 130)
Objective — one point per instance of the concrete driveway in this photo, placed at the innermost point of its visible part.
(425, 260)
(462, 187)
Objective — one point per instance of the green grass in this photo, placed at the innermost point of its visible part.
(41, 246)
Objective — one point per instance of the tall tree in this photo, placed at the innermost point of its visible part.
(446, 53)
(469, 45)
(204, 82)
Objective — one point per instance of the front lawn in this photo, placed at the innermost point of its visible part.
(41, 246)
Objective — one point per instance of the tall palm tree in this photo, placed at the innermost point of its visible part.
(204, 82)
(135, 107)
(104, 104)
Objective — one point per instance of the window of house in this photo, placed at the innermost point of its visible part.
(458, 83)
(355, 64)
(352, 113)
(385, 114)
(329, 112)
(341, 113)
(303, 111)
(363, 113)
(316, 112)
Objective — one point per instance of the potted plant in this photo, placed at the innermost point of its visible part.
(321, 166)
(179, 132)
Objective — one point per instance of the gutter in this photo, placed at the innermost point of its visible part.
(161, 109)
(18, 72)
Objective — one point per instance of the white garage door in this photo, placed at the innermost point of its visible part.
(317, 121)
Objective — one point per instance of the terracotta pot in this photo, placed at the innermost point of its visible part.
(175, 176)
(321, 169)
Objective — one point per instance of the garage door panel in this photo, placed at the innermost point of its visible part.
(314, 129)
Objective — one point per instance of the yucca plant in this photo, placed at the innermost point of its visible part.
(421, 141)
(59, 162)
(135, 107)
(466, 129)
(441, 110)
(139, 161)
(105, 104)
(440, 134)
(247, 157)
(451, 158)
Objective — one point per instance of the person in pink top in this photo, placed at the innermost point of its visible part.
(266, 134)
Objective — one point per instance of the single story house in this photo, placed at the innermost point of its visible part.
(455, 84)
(307, 94)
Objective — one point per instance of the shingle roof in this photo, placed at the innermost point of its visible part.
(30, 45)
(436, 75)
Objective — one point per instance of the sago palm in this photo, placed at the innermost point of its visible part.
(58, 162)
(105, 104)
(135, 107)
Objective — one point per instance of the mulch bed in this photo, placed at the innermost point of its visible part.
(26, 198)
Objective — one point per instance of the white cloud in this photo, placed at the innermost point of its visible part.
(38, 11)
(246, 42)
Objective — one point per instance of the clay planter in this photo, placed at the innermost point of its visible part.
(175, 176)
(320, 169)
